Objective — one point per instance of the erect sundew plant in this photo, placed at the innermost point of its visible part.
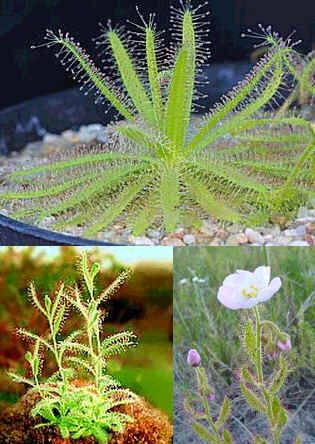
(163, 166)
(78, 407)
(264, 370)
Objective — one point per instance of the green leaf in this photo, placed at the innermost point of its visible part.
(260, 440)
(59, 318)
(279, 378)
(208, 202)
(48, 304)
(252, 399)
(153, 74)
(224, 413)
(205, 136)
(118, 205)
(28, 356)
(36, 365)
(227, 437)
(176, 118)
(95, 77)
(170, 198)
(131, 79)
(248, 377)
(95, 269)
(203, 432)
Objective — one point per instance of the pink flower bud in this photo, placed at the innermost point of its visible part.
(284, 345)
(193, 358)
(211, 397)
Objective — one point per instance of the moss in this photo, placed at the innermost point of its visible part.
(150, 426)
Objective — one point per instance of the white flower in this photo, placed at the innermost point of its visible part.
(245, 289)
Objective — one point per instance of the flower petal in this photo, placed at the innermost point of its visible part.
(230, 297)
(240, 278)
(250, 303)
(262, 276)
(268, 292)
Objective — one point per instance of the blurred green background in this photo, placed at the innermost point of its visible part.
(201, 322)
(143, 304)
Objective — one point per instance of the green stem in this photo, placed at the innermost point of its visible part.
(56, 351)
(258, 347)
(209, 419)
(266, 255)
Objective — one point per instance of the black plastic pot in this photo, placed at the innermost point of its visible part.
(28, 122)
(54, 113)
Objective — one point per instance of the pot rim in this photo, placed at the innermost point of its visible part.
(43, 235)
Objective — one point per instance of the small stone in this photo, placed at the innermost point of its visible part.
(235, 229)
(154, 234)
(4, 212)
(222, 234)
(305, 220)
(95, 131)
(47, 221)
(208, 228)
(310, 228)
(51, 138)
(310, 239)
(179, 233)
(237, 239)
(189, 239)
(254, 237)
(70, 136)
(142, 241)
(295, 232)
(172, 242)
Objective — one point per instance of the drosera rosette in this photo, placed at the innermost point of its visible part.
(261, 339)
(163, 166)
(78, 407)
(210, 430)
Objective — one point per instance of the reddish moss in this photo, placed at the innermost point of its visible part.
(150, 426)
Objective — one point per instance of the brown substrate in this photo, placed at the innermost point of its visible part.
(150, 426)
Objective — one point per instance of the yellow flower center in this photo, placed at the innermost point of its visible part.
(250, 292)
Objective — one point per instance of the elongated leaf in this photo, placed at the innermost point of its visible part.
(35, 337)
(96, 78)
(141, 138)
(224, 413)
(118, 206)
(131, 79)
(176, 114)
(76, 162)
(207, 201)
(279, 378)
(203, 433)
(35, 300)
(204, 137)
(227, 437)
(252, 399)
(189, 43)
(59, 318)
(57, 300)
(170, 198)
(153, 74)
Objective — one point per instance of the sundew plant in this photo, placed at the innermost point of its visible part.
(163, 165)
(259, 385)
(78, 407)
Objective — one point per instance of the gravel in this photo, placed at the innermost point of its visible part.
(300, 232)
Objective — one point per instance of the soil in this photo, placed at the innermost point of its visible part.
(150, 426)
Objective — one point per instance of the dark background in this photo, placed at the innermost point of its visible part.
(27, 73)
